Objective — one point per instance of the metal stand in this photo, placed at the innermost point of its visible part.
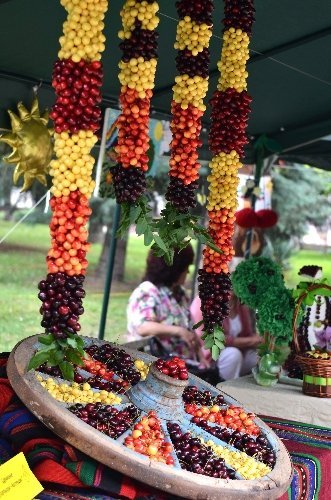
(110, 270)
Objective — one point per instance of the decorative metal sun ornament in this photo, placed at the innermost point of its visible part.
(31, 142)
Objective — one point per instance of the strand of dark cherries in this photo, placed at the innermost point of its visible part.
(106, 418)
(196, 457)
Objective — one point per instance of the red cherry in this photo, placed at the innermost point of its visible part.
(63, 310)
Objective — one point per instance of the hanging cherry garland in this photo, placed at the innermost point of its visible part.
(230, 109)
(77, 78)
(176, 226)
(194, 31)
(137, 74)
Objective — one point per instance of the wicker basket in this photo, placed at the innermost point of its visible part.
(316, 372)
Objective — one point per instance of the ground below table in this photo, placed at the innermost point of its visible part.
(281, 400)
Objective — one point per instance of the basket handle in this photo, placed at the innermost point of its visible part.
(314, 286)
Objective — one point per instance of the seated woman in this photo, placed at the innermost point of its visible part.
(239, 356)
(159, 307)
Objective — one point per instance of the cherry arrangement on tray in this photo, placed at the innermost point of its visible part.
(213, 437)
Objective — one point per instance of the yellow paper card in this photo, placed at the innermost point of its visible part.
(17, 481)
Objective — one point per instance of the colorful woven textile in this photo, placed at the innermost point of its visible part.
(63, 470)
(68, 474)
(310, 450)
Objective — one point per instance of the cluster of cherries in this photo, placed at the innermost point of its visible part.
(196, 457)
(133, 138)
(50, 370)
(239, 14)
(77, 86)
(180, 195)
(233, 417)
(187, 64)
(117, 360)
(69, 234)
(106, 418)
(61, 297)
(142, 43)
(200, 12)
(98, 369)
(229, 116)
(174, 368)
(214, 292)
(186, 128)
(147, 438)
(129, 183)
(116, 385)
(192, 394)
(221, 230)
(255, 447)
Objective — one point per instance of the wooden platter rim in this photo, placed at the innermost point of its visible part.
(107, 451)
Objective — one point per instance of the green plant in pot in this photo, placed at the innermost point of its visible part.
(258, 282)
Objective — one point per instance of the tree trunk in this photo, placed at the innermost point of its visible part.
(95, 231)
(119, 265)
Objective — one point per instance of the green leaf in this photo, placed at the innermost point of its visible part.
(72, 343)
(148, 238)
(67, 370)
(74, 356)
(215, 352)
(141, 226)
(323, 292)
(209, 342)
(38, 359)
(81, 351)
(49, 347)
(135, 211)
(219, 344)
(55, 357)
(219, 333)
(160, 243)
(309, 299)
(80, 341)
(46, 339)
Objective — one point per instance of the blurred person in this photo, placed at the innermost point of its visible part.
(241, 341)
(159, 307)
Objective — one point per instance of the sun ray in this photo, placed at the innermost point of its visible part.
(13, 157)
(9, 139)
(19, 170)
(42, 179)
(28, 180)
(16, 122)
(35, 113)
(44, 117)
(23, 112)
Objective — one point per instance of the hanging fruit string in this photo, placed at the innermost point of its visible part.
(177, 226)
(194, 31)
(77, 78)
(230, 109)
(136, 76)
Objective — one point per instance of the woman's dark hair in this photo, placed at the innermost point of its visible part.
(159, 273)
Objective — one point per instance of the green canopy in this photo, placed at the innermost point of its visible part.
(290, 69)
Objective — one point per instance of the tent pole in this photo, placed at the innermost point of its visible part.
(109, 273)
(257, 177)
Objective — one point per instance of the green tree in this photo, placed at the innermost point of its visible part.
(300, 197)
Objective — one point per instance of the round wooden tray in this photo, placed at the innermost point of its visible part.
(114, 454)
